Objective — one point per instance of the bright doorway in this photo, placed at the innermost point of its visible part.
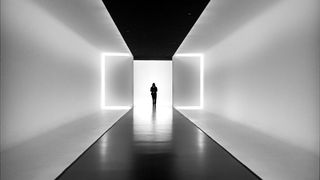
(147, 72)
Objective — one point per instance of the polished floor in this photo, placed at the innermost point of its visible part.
(156, 143)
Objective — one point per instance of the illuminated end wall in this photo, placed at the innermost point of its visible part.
(148, 72)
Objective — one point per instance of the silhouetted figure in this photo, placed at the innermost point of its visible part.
(154, 90)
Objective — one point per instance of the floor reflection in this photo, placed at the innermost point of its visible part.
(152, 139)
(156, 143)
(152, 126)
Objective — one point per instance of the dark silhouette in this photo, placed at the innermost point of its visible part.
(154, 90)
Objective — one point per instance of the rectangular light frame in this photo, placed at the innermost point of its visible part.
(104, 56)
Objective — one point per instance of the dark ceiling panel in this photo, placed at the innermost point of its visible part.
(154, 30)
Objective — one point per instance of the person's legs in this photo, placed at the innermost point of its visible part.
(153, 99)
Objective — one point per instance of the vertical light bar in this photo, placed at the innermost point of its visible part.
(103, 105)
(103, 81)
(201, 59)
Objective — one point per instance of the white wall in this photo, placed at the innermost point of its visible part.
(147, 72)
(50, 64)
(186, 81)
(118, 81)
(266, 74)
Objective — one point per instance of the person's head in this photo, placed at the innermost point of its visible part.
(153, 84)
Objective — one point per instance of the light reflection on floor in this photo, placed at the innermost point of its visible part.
(155, 143)
(152, 126)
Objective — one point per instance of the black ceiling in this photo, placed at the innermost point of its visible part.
(154, 30)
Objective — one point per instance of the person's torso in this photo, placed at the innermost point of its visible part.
(154, 89)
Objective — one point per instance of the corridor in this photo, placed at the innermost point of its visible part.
(238, 89)
(156, 143)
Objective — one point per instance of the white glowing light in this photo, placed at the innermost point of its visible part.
(103, 81)
(148, 72)
(201, 58)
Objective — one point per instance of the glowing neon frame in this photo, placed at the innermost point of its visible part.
(103, 81)
(201, 58)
